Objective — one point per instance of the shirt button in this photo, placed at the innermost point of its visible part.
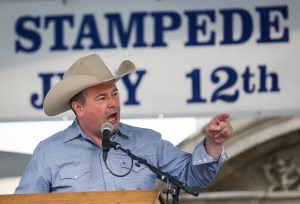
(107, 170)
(205, 160)
(75, 176)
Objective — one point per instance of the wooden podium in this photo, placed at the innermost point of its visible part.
(99, 197)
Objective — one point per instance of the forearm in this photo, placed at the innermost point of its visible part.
(212, 149)
(204, 167)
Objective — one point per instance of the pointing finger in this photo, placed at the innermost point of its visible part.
(221, 117)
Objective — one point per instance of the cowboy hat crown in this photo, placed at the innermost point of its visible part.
(85, 72)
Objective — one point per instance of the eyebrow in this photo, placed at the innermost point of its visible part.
(104, 94)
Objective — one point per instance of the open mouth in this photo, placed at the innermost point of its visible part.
(112, 117)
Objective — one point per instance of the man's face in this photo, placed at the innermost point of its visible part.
(102, 104)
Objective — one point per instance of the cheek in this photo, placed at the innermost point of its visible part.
(94, 113)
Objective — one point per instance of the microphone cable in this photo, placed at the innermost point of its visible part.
(106, 130)
(118, 175)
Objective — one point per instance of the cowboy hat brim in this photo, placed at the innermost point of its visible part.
(58, 98)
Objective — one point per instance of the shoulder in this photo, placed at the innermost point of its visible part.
(139, 132)
(51, 144)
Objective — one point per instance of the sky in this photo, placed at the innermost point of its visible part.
(23, 137)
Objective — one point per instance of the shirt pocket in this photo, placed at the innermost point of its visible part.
(74, 172)
(141, 177)
(137, 167)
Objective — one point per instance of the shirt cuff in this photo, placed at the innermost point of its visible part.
(200, 155)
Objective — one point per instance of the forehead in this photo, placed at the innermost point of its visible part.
(107, 86)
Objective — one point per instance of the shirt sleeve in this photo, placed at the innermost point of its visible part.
(200, 156)
(34, 178)
(203, 168)
(196, 170)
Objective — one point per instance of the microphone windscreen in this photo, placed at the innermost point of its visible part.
(106, 126)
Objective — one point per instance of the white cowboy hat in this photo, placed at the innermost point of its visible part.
(86, 72)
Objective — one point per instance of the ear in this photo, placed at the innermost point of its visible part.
(77, 107)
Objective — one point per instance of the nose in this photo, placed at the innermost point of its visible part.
(112, 102)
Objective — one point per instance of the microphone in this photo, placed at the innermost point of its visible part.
(106, 130)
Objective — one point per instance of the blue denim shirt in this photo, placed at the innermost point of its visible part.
(70, 161)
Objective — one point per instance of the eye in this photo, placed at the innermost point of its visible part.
(115, 93)
(101, 98)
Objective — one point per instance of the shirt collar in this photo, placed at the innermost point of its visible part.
(75, 131)
(122, 131)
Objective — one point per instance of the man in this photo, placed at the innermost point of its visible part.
(71, 160)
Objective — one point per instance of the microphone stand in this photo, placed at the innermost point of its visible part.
(165, 177)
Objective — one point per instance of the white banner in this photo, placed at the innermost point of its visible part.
(193, 57)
